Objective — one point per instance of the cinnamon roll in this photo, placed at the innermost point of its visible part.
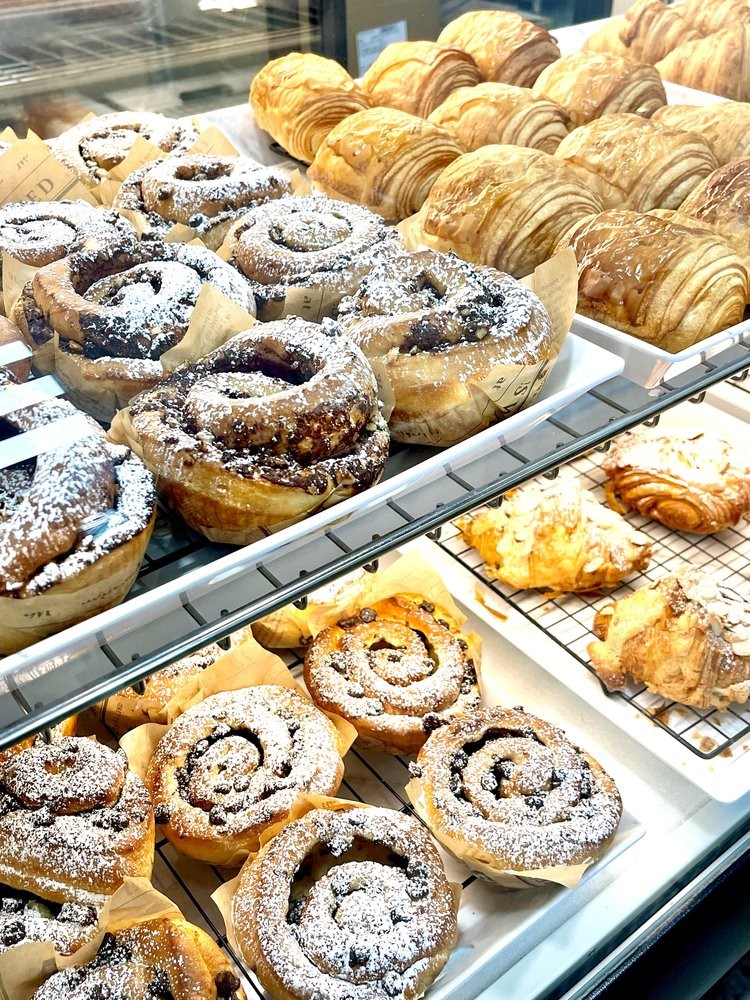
(395, 670)
(74, 821)
(440, 327)
(26, 917)
(160, 958)
(509, 794)
(300, 97)
(493, 113)
(206, 193)
(66, 728)
(116, 312)
(74, 524)
(352, 902)
(235, 764)
(97, 145)
(418, 76)
(309, 248)
(383, 158)
(278, 422)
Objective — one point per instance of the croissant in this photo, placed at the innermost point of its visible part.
(506, 206)
(298, 99)
(686, 637)
(719, 64)
(505, 46)
(631, 162)
(591, 84)
(385, 159)
(647, 32)
(500, 113)
(725, 125)
(418, 76)
(558, 536)
(722, 201)
(669, 284)
(715, 15)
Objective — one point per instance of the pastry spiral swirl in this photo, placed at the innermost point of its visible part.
(26, 917)
(308, 243)
(74, 821)
(349, 904)
(279, 421)
(395, 670)
(235, 764)
(206, 193)
(507, 792)
(93, 147)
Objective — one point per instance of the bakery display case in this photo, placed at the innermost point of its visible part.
(683, 772)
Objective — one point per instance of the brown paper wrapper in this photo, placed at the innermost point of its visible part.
(29, 172)
(16, 274)
(215, 319)
(312, 304)
(213, 142)
(300, 185)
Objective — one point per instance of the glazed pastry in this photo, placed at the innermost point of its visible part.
(278, 422)
(508, 793)
(418, 76)
(634, 163)
(306, 247)
(165, 957)
(14, 341)
(669, 284)
(395, 670)
(493, 113)
(26, 917)
(206, 193)
(718, 64)
(686, 637)
(555, 535)
(591, 84)
(74, 821)
(725, 125)
(66, 728)
(505, 46)
(116, 312)
(384, 159)
(698, 482)
(74, 525)
(648, 31)
(505, 206)
(711, 18)
(300, 97)
(722, 202)
(343, 903)
(97, 145)
(440, 328)
(235, 764)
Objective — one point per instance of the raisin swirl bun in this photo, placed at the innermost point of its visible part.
(67, 727)
(116, 313)
(160, 958)
(74, 524)
(509, 793)
(395, 670)
(278, 422)
(95, 146)
(206, 193)
(346, 904)
(74, 821)
(440, 327)
(235, 764)
(25, 917)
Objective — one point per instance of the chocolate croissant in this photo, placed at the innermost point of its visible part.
(722, 202)
(719, 64)
(648, 31)
(725, 125)
(708, 18)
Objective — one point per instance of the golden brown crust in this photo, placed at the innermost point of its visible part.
(710, 18)
(505, 46)
(383, 158)
(669, 284)
(648, 31)
(686, 637)
(10, 334)
(725, 125)
(722, 202)
(300, 97)
(346, 902)
(591, 84)
(719, 64)
(65, 728)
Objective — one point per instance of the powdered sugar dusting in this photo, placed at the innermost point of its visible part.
(26, 917)
(38, 233)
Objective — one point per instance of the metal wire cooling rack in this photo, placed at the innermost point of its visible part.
(568, 618)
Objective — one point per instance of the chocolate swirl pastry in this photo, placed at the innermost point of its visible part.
(235, 764)
(27, 917)
(278, 422)
(440, 327)
(116, 313)
(343, 904)
(74, 821)
(73, 521)
(66, 728)
(166, 958)
(93, 147)
(206, 193)
(316, 245)
(508, 793)
(395, 670)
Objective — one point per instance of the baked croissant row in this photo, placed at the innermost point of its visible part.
(725, 125)
(719, 63)
(646, 33)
